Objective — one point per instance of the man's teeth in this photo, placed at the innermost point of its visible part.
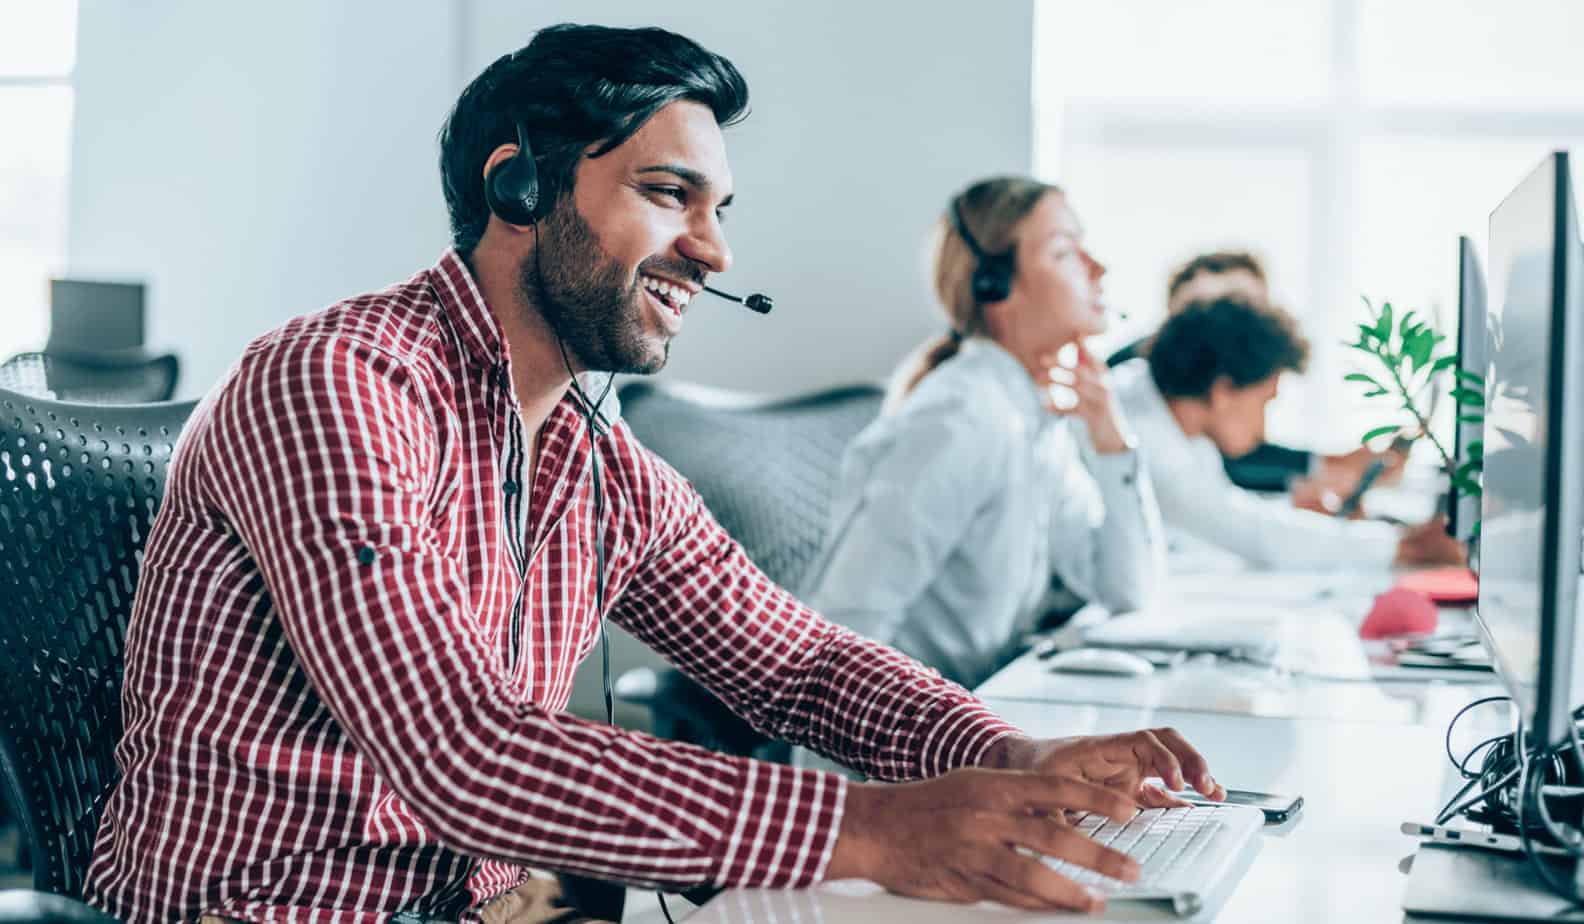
(673, 295)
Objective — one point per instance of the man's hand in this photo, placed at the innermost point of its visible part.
(1123, 763)
(1314, 494)
(1342, 472)
(966, 836)
(971, 835)
(1429, 544)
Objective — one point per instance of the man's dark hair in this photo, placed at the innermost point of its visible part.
(575, 89)
(1231, 336)
(1221, 261)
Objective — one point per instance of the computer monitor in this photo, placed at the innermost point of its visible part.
(1463, 508)
(95, 316)
(1532, 504)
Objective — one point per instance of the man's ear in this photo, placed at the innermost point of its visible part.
(1220, 392)
(499, 156)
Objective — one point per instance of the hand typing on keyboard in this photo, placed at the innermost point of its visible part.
(1123, 762)
(980, 833)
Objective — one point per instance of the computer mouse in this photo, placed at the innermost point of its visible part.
(1400, 611)
(1099, 661)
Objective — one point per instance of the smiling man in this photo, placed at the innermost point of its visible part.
(377, 566)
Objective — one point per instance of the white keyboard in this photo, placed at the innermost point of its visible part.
(1184, 854)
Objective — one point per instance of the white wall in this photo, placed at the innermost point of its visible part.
(865, 117)
(254, 162)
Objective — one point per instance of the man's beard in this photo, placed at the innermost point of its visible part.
(583, 295)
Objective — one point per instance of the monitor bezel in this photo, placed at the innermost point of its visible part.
(1564, 456)
(1473, 298)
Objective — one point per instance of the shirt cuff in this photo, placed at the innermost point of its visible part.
(1116, 469)
(961, 737)
(785, 827)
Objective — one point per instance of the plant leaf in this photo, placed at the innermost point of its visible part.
(1383, 327)
(1418, 345)
(1380, 431)
(1445, 362)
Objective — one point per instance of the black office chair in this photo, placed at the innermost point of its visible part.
(79, 489)
(767, 470)
(108, 377)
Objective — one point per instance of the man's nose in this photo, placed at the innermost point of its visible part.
(705, 244)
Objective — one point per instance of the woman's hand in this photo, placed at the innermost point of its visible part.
(1082, 391)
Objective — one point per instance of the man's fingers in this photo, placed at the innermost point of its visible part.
(1193, 764)
(1041, 792)
(1152, 796)
(1156, 759)
(1063, 843)
(1022, 881)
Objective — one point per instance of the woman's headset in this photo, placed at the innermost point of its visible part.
(993, 272)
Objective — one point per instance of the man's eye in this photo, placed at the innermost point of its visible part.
(673, 192)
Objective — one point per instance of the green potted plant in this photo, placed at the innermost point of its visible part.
(1408, 366)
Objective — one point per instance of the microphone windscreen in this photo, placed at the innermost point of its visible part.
(759, 303)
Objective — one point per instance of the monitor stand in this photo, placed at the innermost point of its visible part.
(1466, 882)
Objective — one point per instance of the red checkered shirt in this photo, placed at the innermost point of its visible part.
(355, 634)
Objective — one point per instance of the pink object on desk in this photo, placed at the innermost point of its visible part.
(1399, 611)
(1443, 585)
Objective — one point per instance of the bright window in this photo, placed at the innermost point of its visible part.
(1347, 142)
(37, 50)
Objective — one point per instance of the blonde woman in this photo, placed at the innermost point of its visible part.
(996, 474)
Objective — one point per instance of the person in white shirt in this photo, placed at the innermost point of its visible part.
(977, 487)
(1313, 479)
(1200, 393)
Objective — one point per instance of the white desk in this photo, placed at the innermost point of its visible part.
(1337, 862)
(1322, 610)
(1235, 689)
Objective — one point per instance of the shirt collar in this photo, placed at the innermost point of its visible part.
(1005, 370)
(464, 305)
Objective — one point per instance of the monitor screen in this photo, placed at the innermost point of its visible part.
(94, 316)
(1463, 509)
(1530, 505)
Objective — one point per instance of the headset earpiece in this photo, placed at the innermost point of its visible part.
(993, 272)
(511, 190)
(992, 278)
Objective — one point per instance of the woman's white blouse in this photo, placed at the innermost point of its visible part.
(957, 509)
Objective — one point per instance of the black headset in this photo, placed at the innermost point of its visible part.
(993, 272)
(511, 190)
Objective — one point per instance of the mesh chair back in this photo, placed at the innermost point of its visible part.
(92, 378)
(767, 470)
(79, 488)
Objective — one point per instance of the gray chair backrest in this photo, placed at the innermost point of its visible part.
(79, 488)
(93, 378)
(767, 469)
